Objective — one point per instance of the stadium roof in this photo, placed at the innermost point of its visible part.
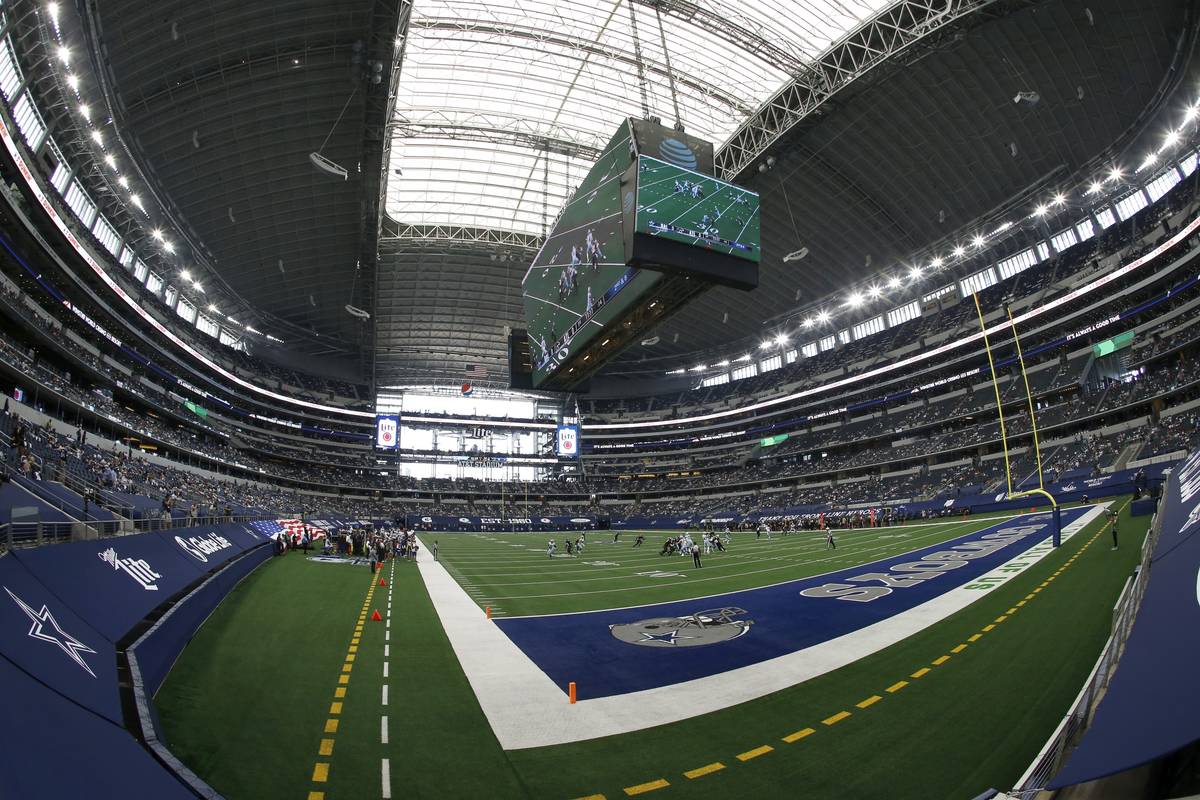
(502, 106)
(221, 104)
(911, 150)
(889, 126)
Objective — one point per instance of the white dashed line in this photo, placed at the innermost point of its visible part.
(385, 669)
(385, 690)
(383, 729)
(385, 772)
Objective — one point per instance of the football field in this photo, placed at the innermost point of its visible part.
(513, 575)
(292, 690)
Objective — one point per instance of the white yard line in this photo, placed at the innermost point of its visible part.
(385, 776)
(526, 709)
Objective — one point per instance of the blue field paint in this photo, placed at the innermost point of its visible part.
(582, 648)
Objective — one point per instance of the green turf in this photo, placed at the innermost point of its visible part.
(242, 705)
(247, 701)
(512, 574)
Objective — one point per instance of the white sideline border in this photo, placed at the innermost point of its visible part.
(527, 709)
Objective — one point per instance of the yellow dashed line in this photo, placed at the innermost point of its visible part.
(755, 753)
(707, 769)
(347, 667)
(836, 718)
(958, 649)
(870, 701)
(343, 679)
(353, 649)
(331, 726)
(340, 691)
(1030, 595)
(937, 662)
(350, 658)
(974, 637)
(594, 797)
(919, 672)
(1021, 603)
(335, 708)
(320, 772)
(798, 735)
(987, 628)
(1001, 618)
(316, 796)
(642, 788)
(1011, 611)
(897, 686)
(326, 747)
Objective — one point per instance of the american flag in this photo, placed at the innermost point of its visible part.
(477, 371)
(288, 527)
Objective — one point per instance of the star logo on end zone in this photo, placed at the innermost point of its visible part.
(53, 634)
(702, 628)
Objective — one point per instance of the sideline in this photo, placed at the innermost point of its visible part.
(527, 709)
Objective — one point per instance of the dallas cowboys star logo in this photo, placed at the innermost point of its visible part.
(668, 638)
(56, 635)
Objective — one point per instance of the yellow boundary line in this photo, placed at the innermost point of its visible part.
(320, 773)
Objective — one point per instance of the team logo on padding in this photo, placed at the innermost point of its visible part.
(704, 627)
(46, 628)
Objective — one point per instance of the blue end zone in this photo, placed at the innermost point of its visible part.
(628, 650)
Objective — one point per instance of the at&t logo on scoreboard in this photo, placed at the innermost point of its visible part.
(387, 431)
(568, 441)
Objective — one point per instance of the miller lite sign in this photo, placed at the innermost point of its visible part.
(387, 431)
(568, 441)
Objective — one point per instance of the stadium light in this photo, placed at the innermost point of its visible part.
(781, 340)
(213, 308)
(764, 346)
(722, 363)
(85, 112)
(1151, 160)
(809, 322)
(170, 248)
(937, 262)
(108, 159)
(874, 292)
(64, 54)
(855, 300)
(699, 368)
(185, 274)
(743, 358)
(157, 234)
(1172, 139)
(915, 272)
(123, 181)
(1060, 199)
(1191, 113)
(1040, 211)
(98, 137)
(52, 9)
(1096, 188)
(823, 316)
(1115, 174)
(977, 241)
(137, 201)
(73, 81)
(894, 282)
(959, 251)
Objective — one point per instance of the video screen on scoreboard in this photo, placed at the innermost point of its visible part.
(579, 282)
(696, 209)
